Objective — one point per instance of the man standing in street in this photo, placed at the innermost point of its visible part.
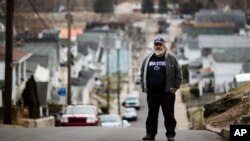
(161, 76)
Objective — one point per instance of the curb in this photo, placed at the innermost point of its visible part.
(10, 126)
(223, 132)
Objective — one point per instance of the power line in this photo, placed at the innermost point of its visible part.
(43, 6)
(45, 25)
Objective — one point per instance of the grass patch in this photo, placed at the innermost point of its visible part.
(186, 95)
(196, 118)
(111, 96)
(233, 114)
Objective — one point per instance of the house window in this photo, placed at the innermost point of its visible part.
(22, 72)
(195, 74)
(206, 52)
(17, 74)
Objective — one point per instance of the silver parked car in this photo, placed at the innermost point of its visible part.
(129, 114)
(113, 120)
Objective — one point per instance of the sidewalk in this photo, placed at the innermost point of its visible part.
(181, 112)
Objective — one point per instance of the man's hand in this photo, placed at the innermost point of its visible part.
(173, 90)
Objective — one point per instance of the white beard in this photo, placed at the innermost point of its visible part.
(159, 53)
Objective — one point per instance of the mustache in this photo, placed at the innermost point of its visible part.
(159, 52)
(160, 49)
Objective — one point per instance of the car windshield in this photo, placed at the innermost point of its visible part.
(109, 119)
(80, 110)
(131, 98)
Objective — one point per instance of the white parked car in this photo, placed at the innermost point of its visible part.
(138, 79)
(132, 101)
(129, 114)
(113, 120)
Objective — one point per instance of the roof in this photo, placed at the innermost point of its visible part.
(18, 55)
(223, 41)
(231, 55)
(30, 69)
(242, 77)
(83, 47)
(99, 36)
(51, 34)
(42, 49)
(90, 37)
(83, 77)
(246, 67)
(43, 60)
(194, 31)
(235, 16)
(74, 32)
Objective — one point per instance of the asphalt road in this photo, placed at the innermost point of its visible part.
(142, 113)
(97, 134)
(133, 133)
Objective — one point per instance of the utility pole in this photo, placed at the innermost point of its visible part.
(118, 46)
(118, 80)
(69, 20)
(107, 73)
(130, 66)
(7, 92)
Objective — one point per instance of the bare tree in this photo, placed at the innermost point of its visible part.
(243, 5)
(27, 15)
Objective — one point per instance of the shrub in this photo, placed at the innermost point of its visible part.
(195, 91)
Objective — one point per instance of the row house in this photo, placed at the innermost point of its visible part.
(43, 65)
(193, 47)
(235, 17)
(228, 53)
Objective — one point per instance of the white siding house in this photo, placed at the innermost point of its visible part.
(229, 52)
(224, 74)
(18, 72)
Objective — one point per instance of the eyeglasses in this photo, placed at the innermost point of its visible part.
(158, 44)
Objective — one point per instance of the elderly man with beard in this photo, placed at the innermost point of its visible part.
(161, 76)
